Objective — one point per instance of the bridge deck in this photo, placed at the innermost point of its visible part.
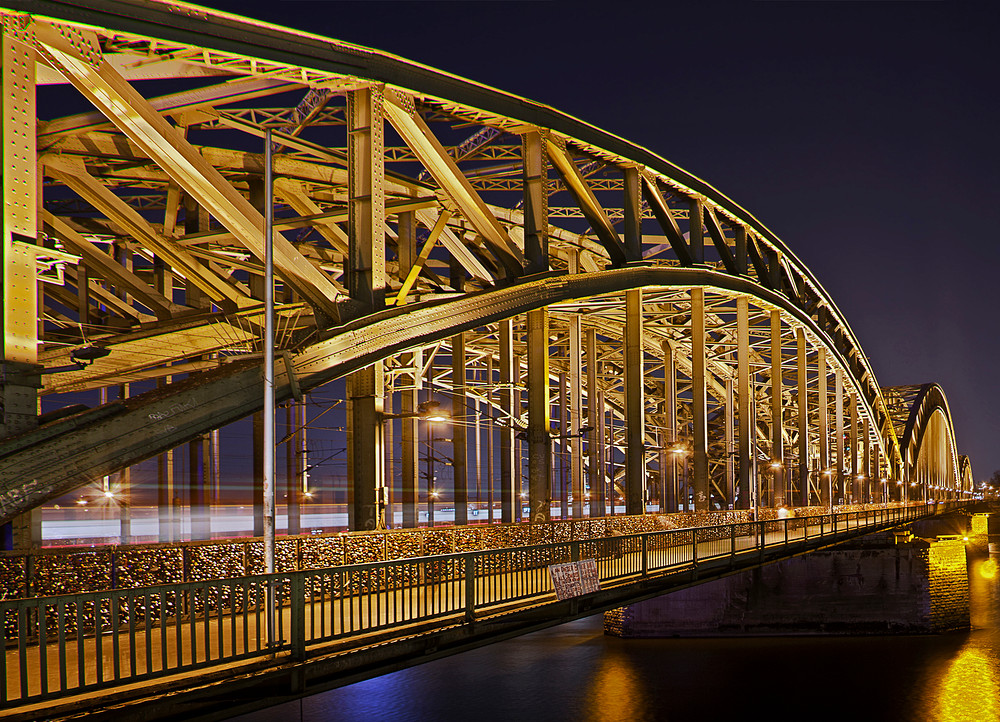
(188, 634)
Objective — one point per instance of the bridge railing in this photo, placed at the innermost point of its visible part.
(70, 644)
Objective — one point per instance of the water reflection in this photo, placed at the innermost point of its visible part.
(970, 685)
(616, 694)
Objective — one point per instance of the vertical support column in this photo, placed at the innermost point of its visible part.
(870, 481)
(365, 455)
(825, 473)
(633, 215)
(459, 434)
(196, 220)
(20, 228)
(803, 404)
(562, 422)
(509, 495)
(595, 472)
(257, 445)
(302, 456)
(536, 203)
(292, 493)
(125, 489)
(165, 490)
(411, 438)
(696, 229)
(19, 372)
(699, 396)
(539, 440)
(635, 411)
(740, 237)
(575, 414)
(856, 480)
(670, 401)
(197, 463)
(366, 283)
(366, 200)
(745, 399)
(777, 495)
(602, 451)
(730, 443)
(838, 394)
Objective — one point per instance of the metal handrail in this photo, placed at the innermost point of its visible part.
(164, 630)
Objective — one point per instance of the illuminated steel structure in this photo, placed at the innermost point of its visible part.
(690, 356)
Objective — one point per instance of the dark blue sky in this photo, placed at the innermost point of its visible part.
(863, 134)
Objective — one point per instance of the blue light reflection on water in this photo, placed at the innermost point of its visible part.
(573, 672)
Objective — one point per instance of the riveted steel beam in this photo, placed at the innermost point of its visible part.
(74, 176)
(665, 218)
(596, 216)
(131, 113)
(20, 204)
(802, 379)
(632, 211)
(508, 378)
(233, 91)
(699, 401)
(635, 412)
(410, 451)
(777, 474)
(459, 429)
(595, 471)
(539, 437)
(536, 203)
(720, 242)
(418, 136)
(115, 273)
(366, 281)
(745, 400)
(575, 363)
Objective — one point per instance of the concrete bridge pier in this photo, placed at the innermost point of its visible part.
(885, 583)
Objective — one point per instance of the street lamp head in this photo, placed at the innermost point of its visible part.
(776, 464)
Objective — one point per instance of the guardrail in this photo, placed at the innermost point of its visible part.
(71, 644)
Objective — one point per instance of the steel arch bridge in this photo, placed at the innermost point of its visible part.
(570, 292)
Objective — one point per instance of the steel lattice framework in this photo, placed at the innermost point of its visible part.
(550, 269)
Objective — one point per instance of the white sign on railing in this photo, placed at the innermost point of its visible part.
(574, 579)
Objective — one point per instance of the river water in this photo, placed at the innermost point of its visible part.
(573, 672)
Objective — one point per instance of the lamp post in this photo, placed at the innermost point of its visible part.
(268, 441)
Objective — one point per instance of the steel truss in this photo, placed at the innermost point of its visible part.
(624, 317)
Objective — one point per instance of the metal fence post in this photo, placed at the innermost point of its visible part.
(297, 632)
(470, 587)
(645, 556)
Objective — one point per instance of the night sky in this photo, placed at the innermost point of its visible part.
(863, 134)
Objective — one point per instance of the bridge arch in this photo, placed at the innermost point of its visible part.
(566, 271)
(931, 464)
